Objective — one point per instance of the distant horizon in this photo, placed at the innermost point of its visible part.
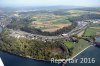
(39, 3)
(48, 6)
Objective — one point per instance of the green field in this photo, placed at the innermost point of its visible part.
(80, 46)
(62, 20)
(50, 22)
(76, 47)
(92, 30)
(69, 45)
(77, 12)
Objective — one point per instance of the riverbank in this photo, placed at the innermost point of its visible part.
(79, 47)
(86, 48)
(76, 55)
(81, 52)
(42, 60)
(31, 48)
(24, 57)
(12, 60)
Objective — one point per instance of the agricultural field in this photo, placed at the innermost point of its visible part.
(93, 30)
(77, 12)
(81, 12)
(50, 22)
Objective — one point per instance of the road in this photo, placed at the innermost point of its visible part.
(80, 27)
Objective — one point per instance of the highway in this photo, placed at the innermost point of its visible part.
(81, 26)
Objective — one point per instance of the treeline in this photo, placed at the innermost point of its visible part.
(95, 9)
(85, 17)
(61, 12)
(19, 22)
(24, 25)
(32, 48)
(58, 32)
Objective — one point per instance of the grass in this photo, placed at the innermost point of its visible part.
(77, 11)
(90, 32)
(80, 46)
(47, 27)
(77, 47)
(50, 23)
(69, 44)
(61, 21)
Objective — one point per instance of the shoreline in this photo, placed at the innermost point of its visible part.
(41, 60)
(24, 57)
(63, 64)
(81, 51)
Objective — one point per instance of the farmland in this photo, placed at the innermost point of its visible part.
(50, 22)
(93, 30)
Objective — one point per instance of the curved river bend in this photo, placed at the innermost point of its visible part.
(12, 60)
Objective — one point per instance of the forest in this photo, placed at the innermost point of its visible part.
(33, 49)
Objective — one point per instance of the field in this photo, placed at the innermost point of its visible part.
(77, 12)
(80, 46)
(94, 29)
(76, 47)
(81, 12)
(50, 22)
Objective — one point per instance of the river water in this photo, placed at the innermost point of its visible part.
(12, 60)
(98, 39)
